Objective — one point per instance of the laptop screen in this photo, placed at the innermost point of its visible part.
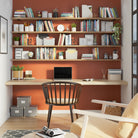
(62, 72)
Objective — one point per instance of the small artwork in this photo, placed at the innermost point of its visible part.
(3, 35)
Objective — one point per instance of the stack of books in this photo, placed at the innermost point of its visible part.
(114, 74)
(19, 13)
(87, 56)
(106, 26)
(45, 53)
(66, 14)
(29, 12)
(108, 12)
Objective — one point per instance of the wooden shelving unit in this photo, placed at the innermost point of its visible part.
(65, 32)
(63, 60)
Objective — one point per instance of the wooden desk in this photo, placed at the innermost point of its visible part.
(41, 81)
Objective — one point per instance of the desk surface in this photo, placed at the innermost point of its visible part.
(41, 81)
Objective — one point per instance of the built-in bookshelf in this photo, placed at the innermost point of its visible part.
(66, 19)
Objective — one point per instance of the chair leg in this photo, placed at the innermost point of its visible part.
(49, 115)
(76, 108)
(71, 113)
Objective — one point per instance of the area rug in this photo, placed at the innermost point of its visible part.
(19, 133)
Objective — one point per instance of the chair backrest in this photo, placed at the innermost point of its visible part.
(61, 92)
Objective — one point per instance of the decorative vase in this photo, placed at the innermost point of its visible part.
(55, 14)
(73, 29)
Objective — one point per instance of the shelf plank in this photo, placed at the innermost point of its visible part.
(64, 32)
(67, 46)
(94, 82)
(66, 18)
(64, 60)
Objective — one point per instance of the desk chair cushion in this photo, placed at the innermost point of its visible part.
(125, 130)
(62, 101)
(96, 128)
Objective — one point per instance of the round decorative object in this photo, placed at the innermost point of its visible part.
(60, 28)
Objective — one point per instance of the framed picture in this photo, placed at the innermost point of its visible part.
(3, 35)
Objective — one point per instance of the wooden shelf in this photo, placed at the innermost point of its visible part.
(66, 18)
(62, 60)
(64, 32)
(64, 46)
(41, 81)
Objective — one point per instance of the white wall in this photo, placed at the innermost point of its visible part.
(126, 49)
(5, 64)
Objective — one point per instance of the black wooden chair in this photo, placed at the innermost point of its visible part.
(61, 93)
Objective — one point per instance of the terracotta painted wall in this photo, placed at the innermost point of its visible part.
(44, 70)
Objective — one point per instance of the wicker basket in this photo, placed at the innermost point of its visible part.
(113, 110)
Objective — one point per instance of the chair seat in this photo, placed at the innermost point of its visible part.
(96, 128)
(62, 101)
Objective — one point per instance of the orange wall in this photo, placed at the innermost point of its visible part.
(44, 70)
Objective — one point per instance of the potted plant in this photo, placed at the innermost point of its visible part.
(16, 41)
(73, 26)
(55, 12)
(17, 72)
(117, 29)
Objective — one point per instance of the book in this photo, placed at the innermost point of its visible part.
(58, 133)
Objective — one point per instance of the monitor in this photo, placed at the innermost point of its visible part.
(63, 73)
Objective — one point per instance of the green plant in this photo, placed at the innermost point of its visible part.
(16, 68)
(73, 25)
(55, 10)
(16, 38)
(117, 28)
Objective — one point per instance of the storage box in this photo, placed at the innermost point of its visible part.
(30, 111)
(114, 76)
(16, 111)
(23, 101)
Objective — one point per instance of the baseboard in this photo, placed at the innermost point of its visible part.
(60, 111)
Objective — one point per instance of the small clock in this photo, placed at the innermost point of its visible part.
(60, 28)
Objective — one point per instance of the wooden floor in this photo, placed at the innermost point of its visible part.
(62, 121)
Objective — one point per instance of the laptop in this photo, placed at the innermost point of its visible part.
(63, 73)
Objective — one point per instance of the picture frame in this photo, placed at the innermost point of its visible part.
(3, 35)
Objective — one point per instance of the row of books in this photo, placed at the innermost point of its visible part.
(75, 12)
(63, 38)
(24, 39)
(108, 12)
(29, 12)
(45, 53)
(19, 13)
(89, 25)
(94, 55)
(106, 26)
(44, 25)
(108, 40)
